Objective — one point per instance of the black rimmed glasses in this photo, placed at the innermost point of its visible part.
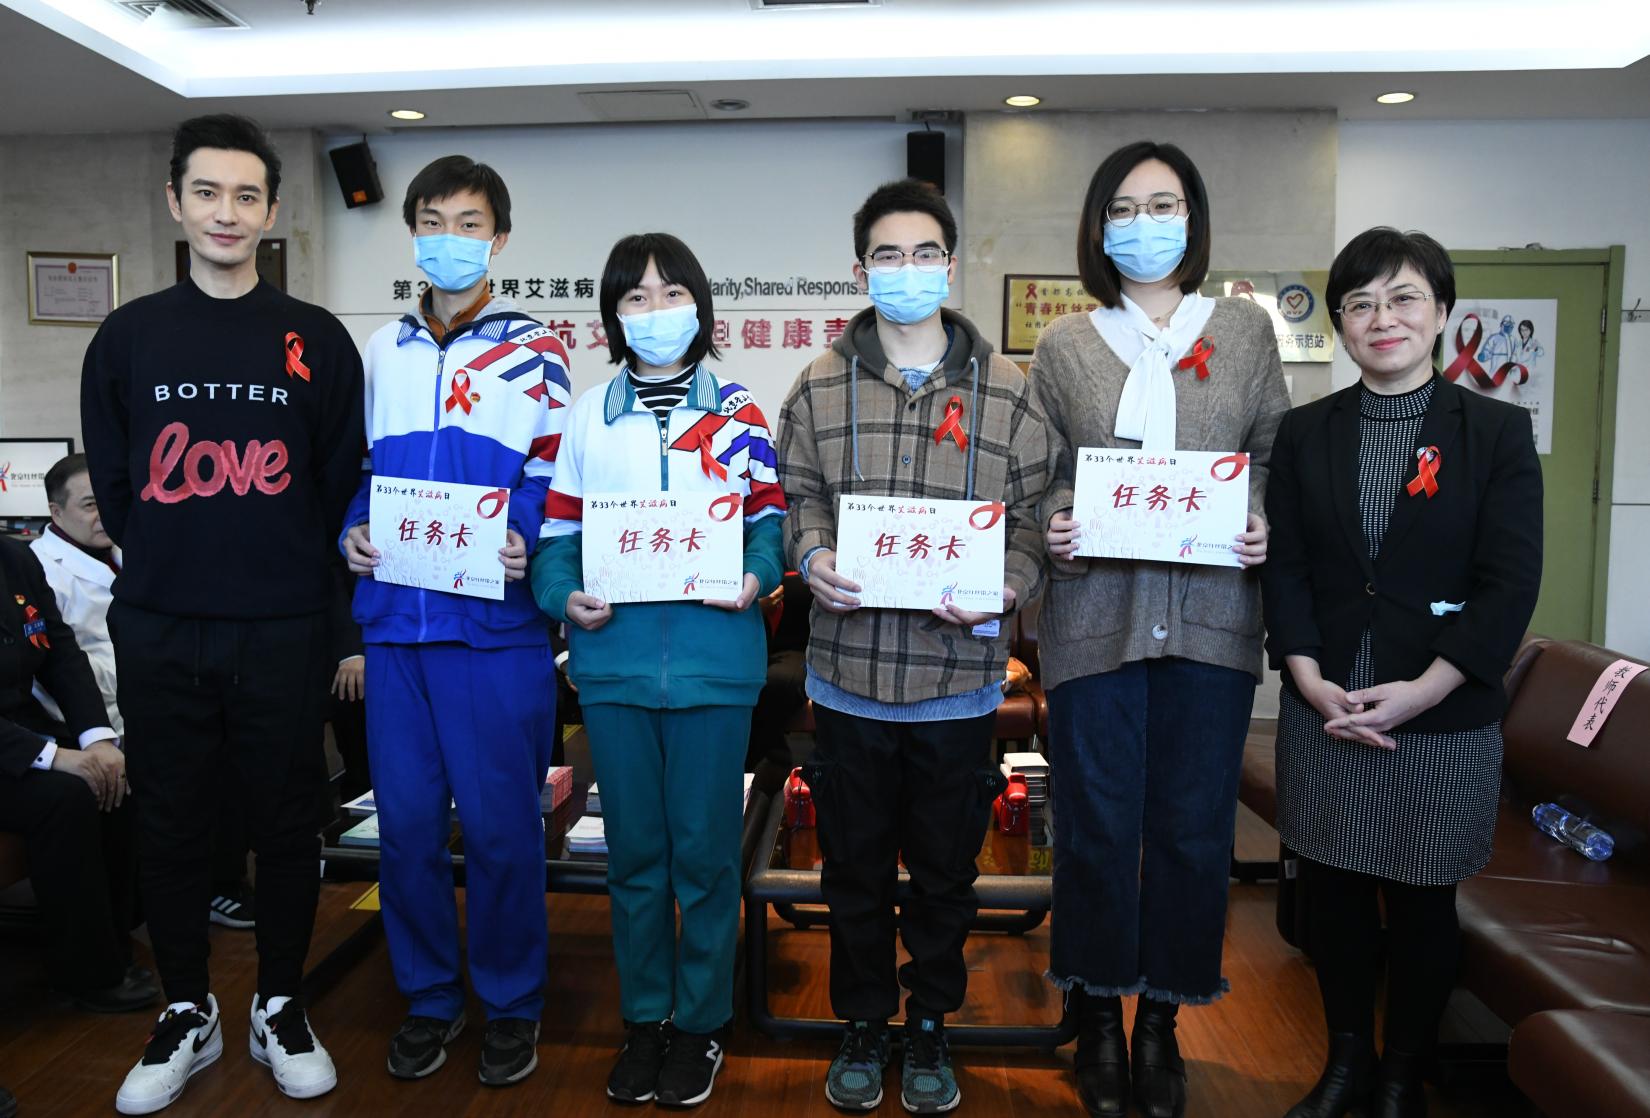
(928, 258)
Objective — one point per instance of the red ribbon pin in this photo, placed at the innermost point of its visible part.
(708, 462)
(459, 397)
(295, 366)
(952, 424)
(1427, 460)
(1199, 357)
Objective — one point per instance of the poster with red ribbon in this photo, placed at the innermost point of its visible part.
(916, 553)
(1174, 506)
(1507, 349)
(664, 546)
(439, 535)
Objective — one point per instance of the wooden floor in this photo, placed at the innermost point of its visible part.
(1252, 1054)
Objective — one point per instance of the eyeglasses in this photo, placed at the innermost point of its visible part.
(927, 259)
(1159, 207)
(1405, 304)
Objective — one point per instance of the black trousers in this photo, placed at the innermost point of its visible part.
(83, 872)
(349, 733)
(769, 753)
(883, 791)
(1344, 938)
(194, 692)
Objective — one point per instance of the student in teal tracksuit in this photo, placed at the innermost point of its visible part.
(666, 687)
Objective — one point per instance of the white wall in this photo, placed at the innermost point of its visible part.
(1563, 184)
(765, 200)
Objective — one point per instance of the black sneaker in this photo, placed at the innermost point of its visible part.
(689, 1071)
(928, 1085)
(854, 1081)
(419, 1046)
(635, 1074)
(509, 1051)
(130, 993)
(233, 908)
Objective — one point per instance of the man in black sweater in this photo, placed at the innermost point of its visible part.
(223, 426)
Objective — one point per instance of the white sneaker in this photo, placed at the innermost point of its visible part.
(185, 1040)
(282, 1039)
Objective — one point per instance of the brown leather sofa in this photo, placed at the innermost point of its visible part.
(1556, 945)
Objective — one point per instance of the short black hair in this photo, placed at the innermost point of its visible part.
(1100, 276)
(228, 131)
(1380, 253)
(452, 174)
(626, 265)
(903, 196)
(63, 471)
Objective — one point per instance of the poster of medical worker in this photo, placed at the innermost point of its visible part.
(1505, 348)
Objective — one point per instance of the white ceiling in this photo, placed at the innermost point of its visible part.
(85, 65)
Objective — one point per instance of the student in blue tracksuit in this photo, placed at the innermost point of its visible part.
(666, 687)
(460, 700)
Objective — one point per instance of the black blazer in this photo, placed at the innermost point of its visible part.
(1477, 542)
(52, 657)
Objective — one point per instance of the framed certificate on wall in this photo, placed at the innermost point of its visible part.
(72, 288)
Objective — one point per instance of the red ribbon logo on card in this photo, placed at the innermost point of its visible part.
(1427, 461)
(498, 498)
(725, 506)
(295, 366)
(952, 424)
(1234, 464)
(992, 513)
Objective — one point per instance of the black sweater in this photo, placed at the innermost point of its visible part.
(225, 440)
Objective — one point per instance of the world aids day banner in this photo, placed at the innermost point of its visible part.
(1506, 348)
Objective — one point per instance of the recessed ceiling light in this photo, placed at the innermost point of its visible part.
(406, 114)
(729, 104)
(1397, 97)
(1022, 101)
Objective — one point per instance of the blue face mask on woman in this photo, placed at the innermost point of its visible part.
(659, 338)
(1145, 250)
(909, 294)
(452, 262)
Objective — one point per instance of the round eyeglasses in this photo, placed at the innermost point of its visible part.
(1161, 206)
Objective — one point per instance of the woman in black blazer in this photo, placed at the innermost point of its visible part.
(1405, 559)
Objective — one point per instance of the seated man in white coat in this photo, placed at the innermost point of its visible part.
(81, 562)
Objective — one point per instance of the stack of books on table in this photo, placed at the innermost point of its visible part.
(587, 836)
(558, 786)
(364, 833)
(593, 800)
(1034, 767)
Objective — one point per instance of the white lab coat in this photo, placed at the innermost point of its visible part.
(82, 587)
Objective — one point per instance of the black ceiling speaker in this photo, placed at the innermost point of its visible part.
(925, 158)
(357, 175)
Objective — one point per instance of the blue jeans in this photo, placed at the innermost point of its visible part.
(1145, 764)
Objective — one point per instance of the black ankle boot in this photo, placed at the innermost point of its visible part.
(1399, 1091)
(1102, 1056)
(1159, 1072)
(1345, 1082)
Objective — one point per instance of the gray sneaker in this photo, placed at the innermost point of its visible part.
(927, 1083)
(855, 1079)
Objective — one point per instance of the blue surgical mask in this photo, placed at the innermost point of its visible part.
(910, 294)
(659, 338)
(1145, 250)
(452, 262)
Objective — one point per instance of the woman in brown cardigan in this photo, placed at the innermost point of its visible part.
(1151, 666)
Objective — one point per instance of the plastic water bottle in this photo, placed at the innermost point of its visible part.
(1574, 831)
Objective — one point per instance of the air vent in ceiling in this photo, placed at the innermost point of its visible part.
(793, 5)
(644, 104)
(191, 15)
